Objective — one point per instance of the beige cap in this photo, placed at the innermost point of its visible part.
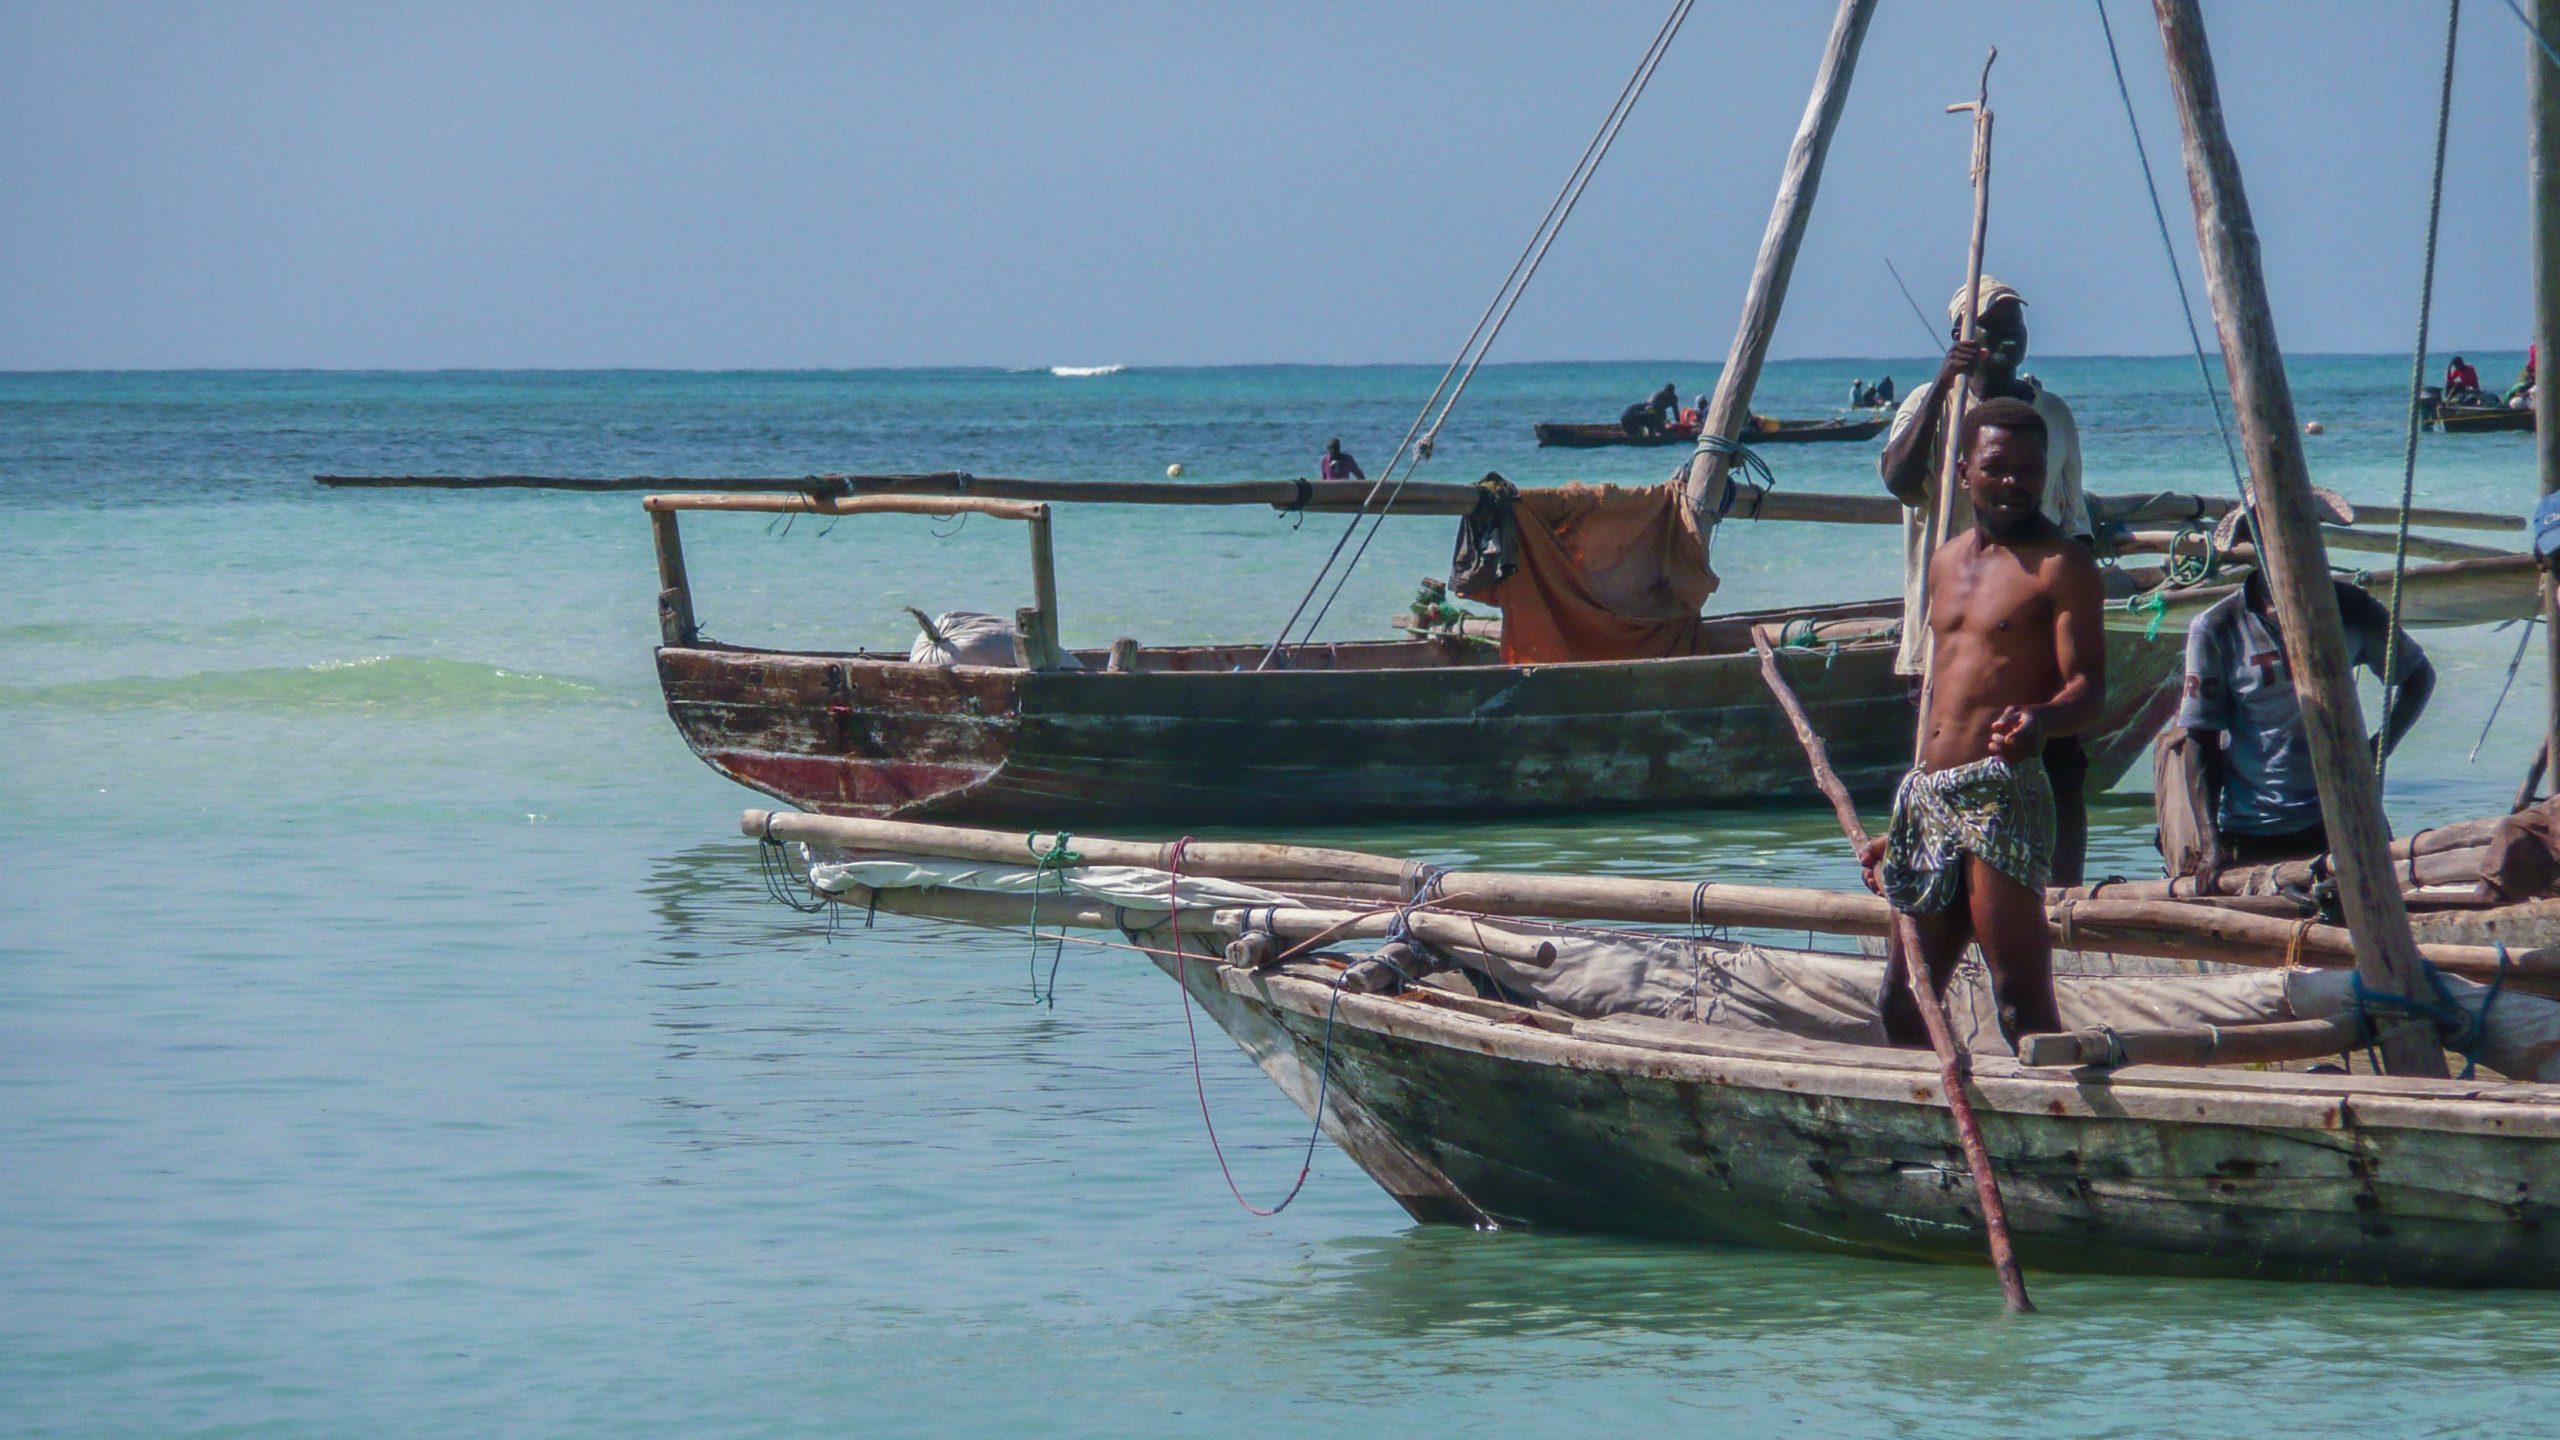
(1993, 291)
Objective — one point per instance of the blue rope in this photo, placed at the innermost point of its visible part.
(2470, 1031)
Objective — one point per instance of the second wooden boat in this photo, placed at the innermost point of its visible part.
(1378, 729)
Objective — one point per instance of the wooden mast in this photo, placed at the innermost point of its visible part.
(2544, 88)
(2296, 561)
(1731, 407)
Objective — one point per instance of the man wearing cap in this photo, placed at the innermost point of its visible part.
(1910, 471)
(2242, 714)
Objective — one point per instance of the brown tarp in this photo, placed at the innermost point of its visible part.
(2523, 862)
(1606, 573)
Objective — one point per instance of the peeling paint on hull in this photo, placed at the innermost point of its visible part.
(1383, 730)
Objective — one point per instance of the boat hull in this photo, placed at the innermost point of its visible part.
(874, 736)
(1805, 1145)
(2475, 419)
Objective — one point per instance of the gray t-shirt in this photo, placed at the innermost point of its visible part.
(2238, 683)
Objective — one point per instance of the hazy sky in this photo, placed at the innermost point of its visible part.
(788, 185)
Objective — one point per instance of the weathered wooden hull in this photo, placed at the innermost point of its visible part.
(1593, 1126)
(1364, 737)
(1787, 432)
(2476, 419)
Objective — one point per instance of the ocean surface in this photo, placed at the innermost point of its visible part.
(395, 1037)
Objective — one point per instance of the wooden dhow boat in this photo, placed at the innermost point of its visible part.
(1763, 431)
(1370, 729)
(1507, 1068)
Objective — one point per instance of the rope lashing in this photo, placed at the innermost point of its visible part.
(1191, 1029)
(1298, 501)
(1746, 460)
(1421, 882)
(2465, 1031)
(783, 877)
(2152, 603)
(1057, 858)
(1479, 341)
(2417, 378)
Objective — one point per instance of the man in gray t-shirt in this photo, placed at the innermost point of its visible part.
(2240, 685)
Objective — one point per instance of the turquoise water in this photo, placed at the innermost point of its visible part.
(395, 1039)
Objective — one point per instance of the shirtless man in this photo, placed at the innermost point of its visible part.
(2017, 656)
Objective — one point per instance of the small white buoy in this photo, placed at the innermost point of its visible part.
(2314, 427)
(1173, 471)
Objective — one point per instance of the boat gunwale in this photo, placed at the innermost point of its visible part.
(2158, 1094)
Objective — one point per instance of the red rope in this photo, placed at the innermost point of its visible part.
(1199, 1086)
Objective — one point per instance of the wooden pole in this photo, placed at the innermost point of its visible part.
(2297, 562)
(1767, 292)
(1904, 957)
(675, 595)
(2544, 90)
(1951, 443)
(2175, 929)
(1810, 738)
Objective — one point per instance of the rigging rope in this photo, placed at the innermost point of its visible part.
(1200, 1086)
(2531, 29)
(2186, 307)
(2417, 377)
(1479, 341)
(1925, 327)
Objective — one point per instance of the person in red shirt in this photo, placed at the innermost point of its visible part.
(2461, 382)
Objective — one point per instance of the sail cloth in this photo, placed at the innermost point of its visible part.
(1602, 573)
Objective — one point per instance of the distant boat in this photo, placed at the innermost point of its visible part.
(1769, 432)
(2473, 419)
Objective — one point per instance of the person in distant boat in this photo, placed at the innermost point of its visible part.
(1652, 416)
(2016, 645)
(1337, 463)
(2520, 394)
(1860, 397)
(1910, 471)
(2245, 721)
(1882, 394)
(2461, 383)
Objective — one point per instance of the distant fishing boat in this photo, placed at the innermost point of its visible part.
(1762, 431)
(2477, 419)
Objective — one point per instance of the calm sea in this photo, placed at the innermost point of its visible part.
(395, 1038)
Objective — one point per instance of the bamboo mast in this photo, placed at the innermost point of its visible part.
(2296, 559)
(1731, 407)
(2544, 88)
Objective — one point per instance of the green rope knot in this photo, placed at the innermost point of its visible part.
(1058, 857)
(2152, 603)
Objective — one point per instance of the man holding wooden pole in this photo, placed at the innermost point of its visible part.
(2017, 656)
(1990, 362)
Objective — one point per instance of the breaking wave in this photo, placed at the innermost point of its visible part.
(1080, 372)
(376, 682)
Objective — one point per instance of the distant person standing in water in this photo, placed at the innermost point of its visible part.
(1910, 469)
(1337, 463)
